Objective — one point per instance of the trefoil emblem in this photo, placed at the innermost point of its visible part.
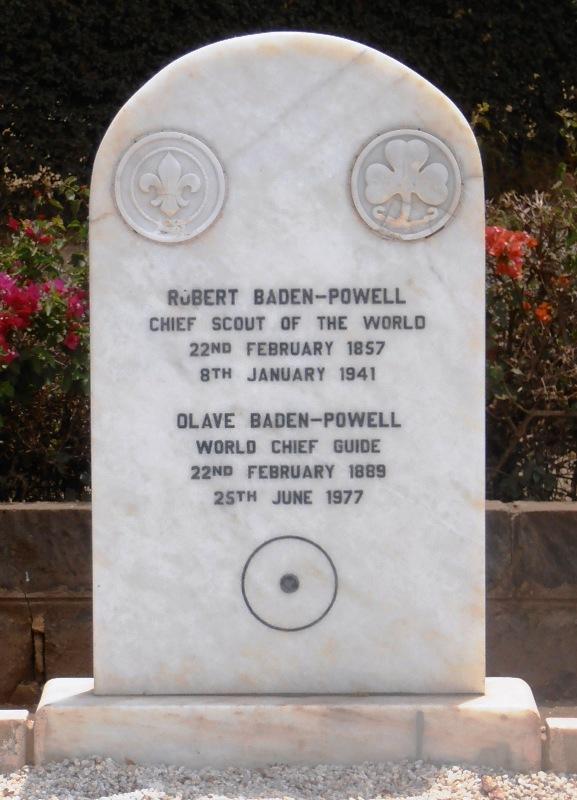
(407, 177)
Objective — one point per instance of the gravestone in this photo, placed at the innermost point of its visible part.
(287, 282)
(287, 259)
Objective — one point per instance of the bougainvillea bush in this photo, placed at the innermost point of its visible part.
(43, 343)
(532, 345)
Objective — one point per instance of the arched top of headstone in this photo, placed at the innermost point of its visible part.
(341, 106)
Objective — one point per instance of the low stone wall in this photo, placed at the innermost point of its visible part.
(532, 596)
(45, 596)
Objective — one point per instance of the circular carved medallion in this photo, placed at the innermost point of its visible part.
(169, 186)
(406, 184)
(289, 583)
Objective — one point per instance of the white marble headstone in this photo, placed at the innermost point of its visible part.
(287, 281)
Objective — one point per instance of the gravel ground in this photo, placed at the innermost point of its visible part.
(104, 778)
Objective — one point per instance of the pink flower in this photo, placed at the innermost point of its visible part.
(71, 340)
(57, 285)
(7, 284)
(76, 307)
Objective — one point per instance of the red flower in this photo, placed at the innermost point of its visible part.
(13, 224)
(71, 340)
(508, 248)
(36, 236)
(7, 354)
(511, 267)
(21, 302)
(543, 313)
(14, 321)
(494, 240)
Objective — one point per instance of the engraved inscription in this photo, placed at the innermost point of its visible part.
(406, 184)
(169, 186)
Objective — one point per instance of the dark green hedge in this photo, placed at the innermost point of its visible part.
(67, 65)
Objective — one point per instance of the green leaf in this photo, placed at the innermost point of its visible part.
(7, 390)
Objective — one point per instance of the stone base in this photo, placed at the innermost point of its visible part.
(12, 740)
(561, 751)
(499, 729)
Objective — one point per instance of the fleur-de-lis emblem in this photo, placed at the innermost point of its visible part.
(406, 178)
(169, 185)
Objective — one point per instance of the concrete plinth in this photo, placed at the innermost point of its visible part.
(12, 740)
(500, 728)
(561, 753)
